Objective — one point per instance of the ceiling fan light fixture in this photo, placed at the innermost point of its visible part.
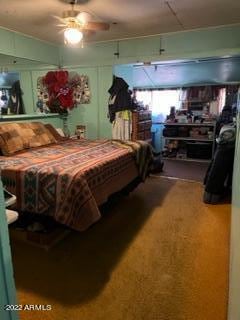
(83, 17)
(73, 36)
(77, 24)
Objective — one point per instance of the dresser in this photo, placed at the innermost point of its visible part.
(141, 125)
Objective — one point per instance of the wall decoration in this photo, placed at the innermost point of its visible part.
(59, 91)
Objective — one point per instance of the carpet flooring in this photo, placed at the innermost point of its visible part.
(184, 170)
(158, 254)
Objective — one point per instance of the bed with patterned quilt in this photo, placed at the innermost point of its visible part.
(66, 179)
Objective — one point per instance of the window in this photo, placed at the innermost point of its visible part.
(159, 101)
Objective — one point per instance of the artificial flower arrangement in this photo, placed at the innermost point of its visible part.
(59, 91)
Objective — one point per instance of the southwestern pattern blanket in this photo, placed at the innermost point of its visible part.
(70, 179)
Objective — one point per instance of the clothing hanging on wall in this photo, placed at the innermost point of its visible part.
(15, 102)
(122, 125)
(119, 109)
(120, 97)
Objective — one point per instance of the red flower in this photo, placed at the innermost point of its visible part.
(61, 77)
(66, 98)
(59, 91)
(49, 78)
(56, 87)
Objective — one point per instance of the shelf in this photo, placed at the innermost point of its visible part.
(188, 139)
(17, 117)
(188, 159)
(210, 143)
(182, 124)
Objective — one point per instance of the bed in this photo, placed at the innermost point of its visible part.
(66, 179)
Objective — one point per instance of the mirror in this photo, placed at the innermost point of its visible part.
(18, 84)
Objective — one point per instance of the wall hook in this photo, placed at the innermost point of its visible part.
(161, 50)
(117, 54)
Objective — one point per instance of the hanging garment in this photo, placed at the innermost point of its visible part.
(122, 125)
(120, 98)
(15, 102)
(218, 178)
(219, 174)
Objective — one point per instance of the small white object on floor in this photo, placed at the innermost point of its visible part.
(12, 216)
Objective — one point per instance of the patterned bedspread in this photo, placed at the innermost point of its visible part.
(70, 179)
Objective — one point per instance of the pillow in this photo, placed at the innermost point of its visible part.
(19, 136)
(11, 140)
(55, 132)
(41, 135)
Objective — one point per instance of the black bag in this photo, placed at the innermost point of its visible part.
(157, 163)
(218, 179)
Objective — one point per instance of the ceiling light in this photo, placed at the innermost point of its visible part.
(83, 17)
(72, 36)
(77, 24)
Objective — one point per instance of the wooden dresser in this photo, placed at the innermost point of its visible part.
(141, 125)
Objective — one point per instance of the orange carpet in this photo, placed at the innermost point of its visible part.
(158, 254)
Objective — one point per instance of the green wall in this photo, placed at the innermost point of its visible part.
(88, 114)
(94, 115)
(17, 45)
(99, 62)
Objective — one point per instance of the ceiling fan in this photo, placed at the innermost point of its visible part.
(76, 24)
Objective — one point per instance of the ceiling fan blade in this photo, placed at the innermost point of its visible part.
(97, 26)
(88, 32)
(59, 19)
(61, 25)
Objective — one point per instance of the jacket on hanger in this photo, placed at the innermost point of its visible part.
(120, 98)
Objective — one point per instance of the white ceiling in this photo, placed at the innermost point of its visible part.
(134, 18)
